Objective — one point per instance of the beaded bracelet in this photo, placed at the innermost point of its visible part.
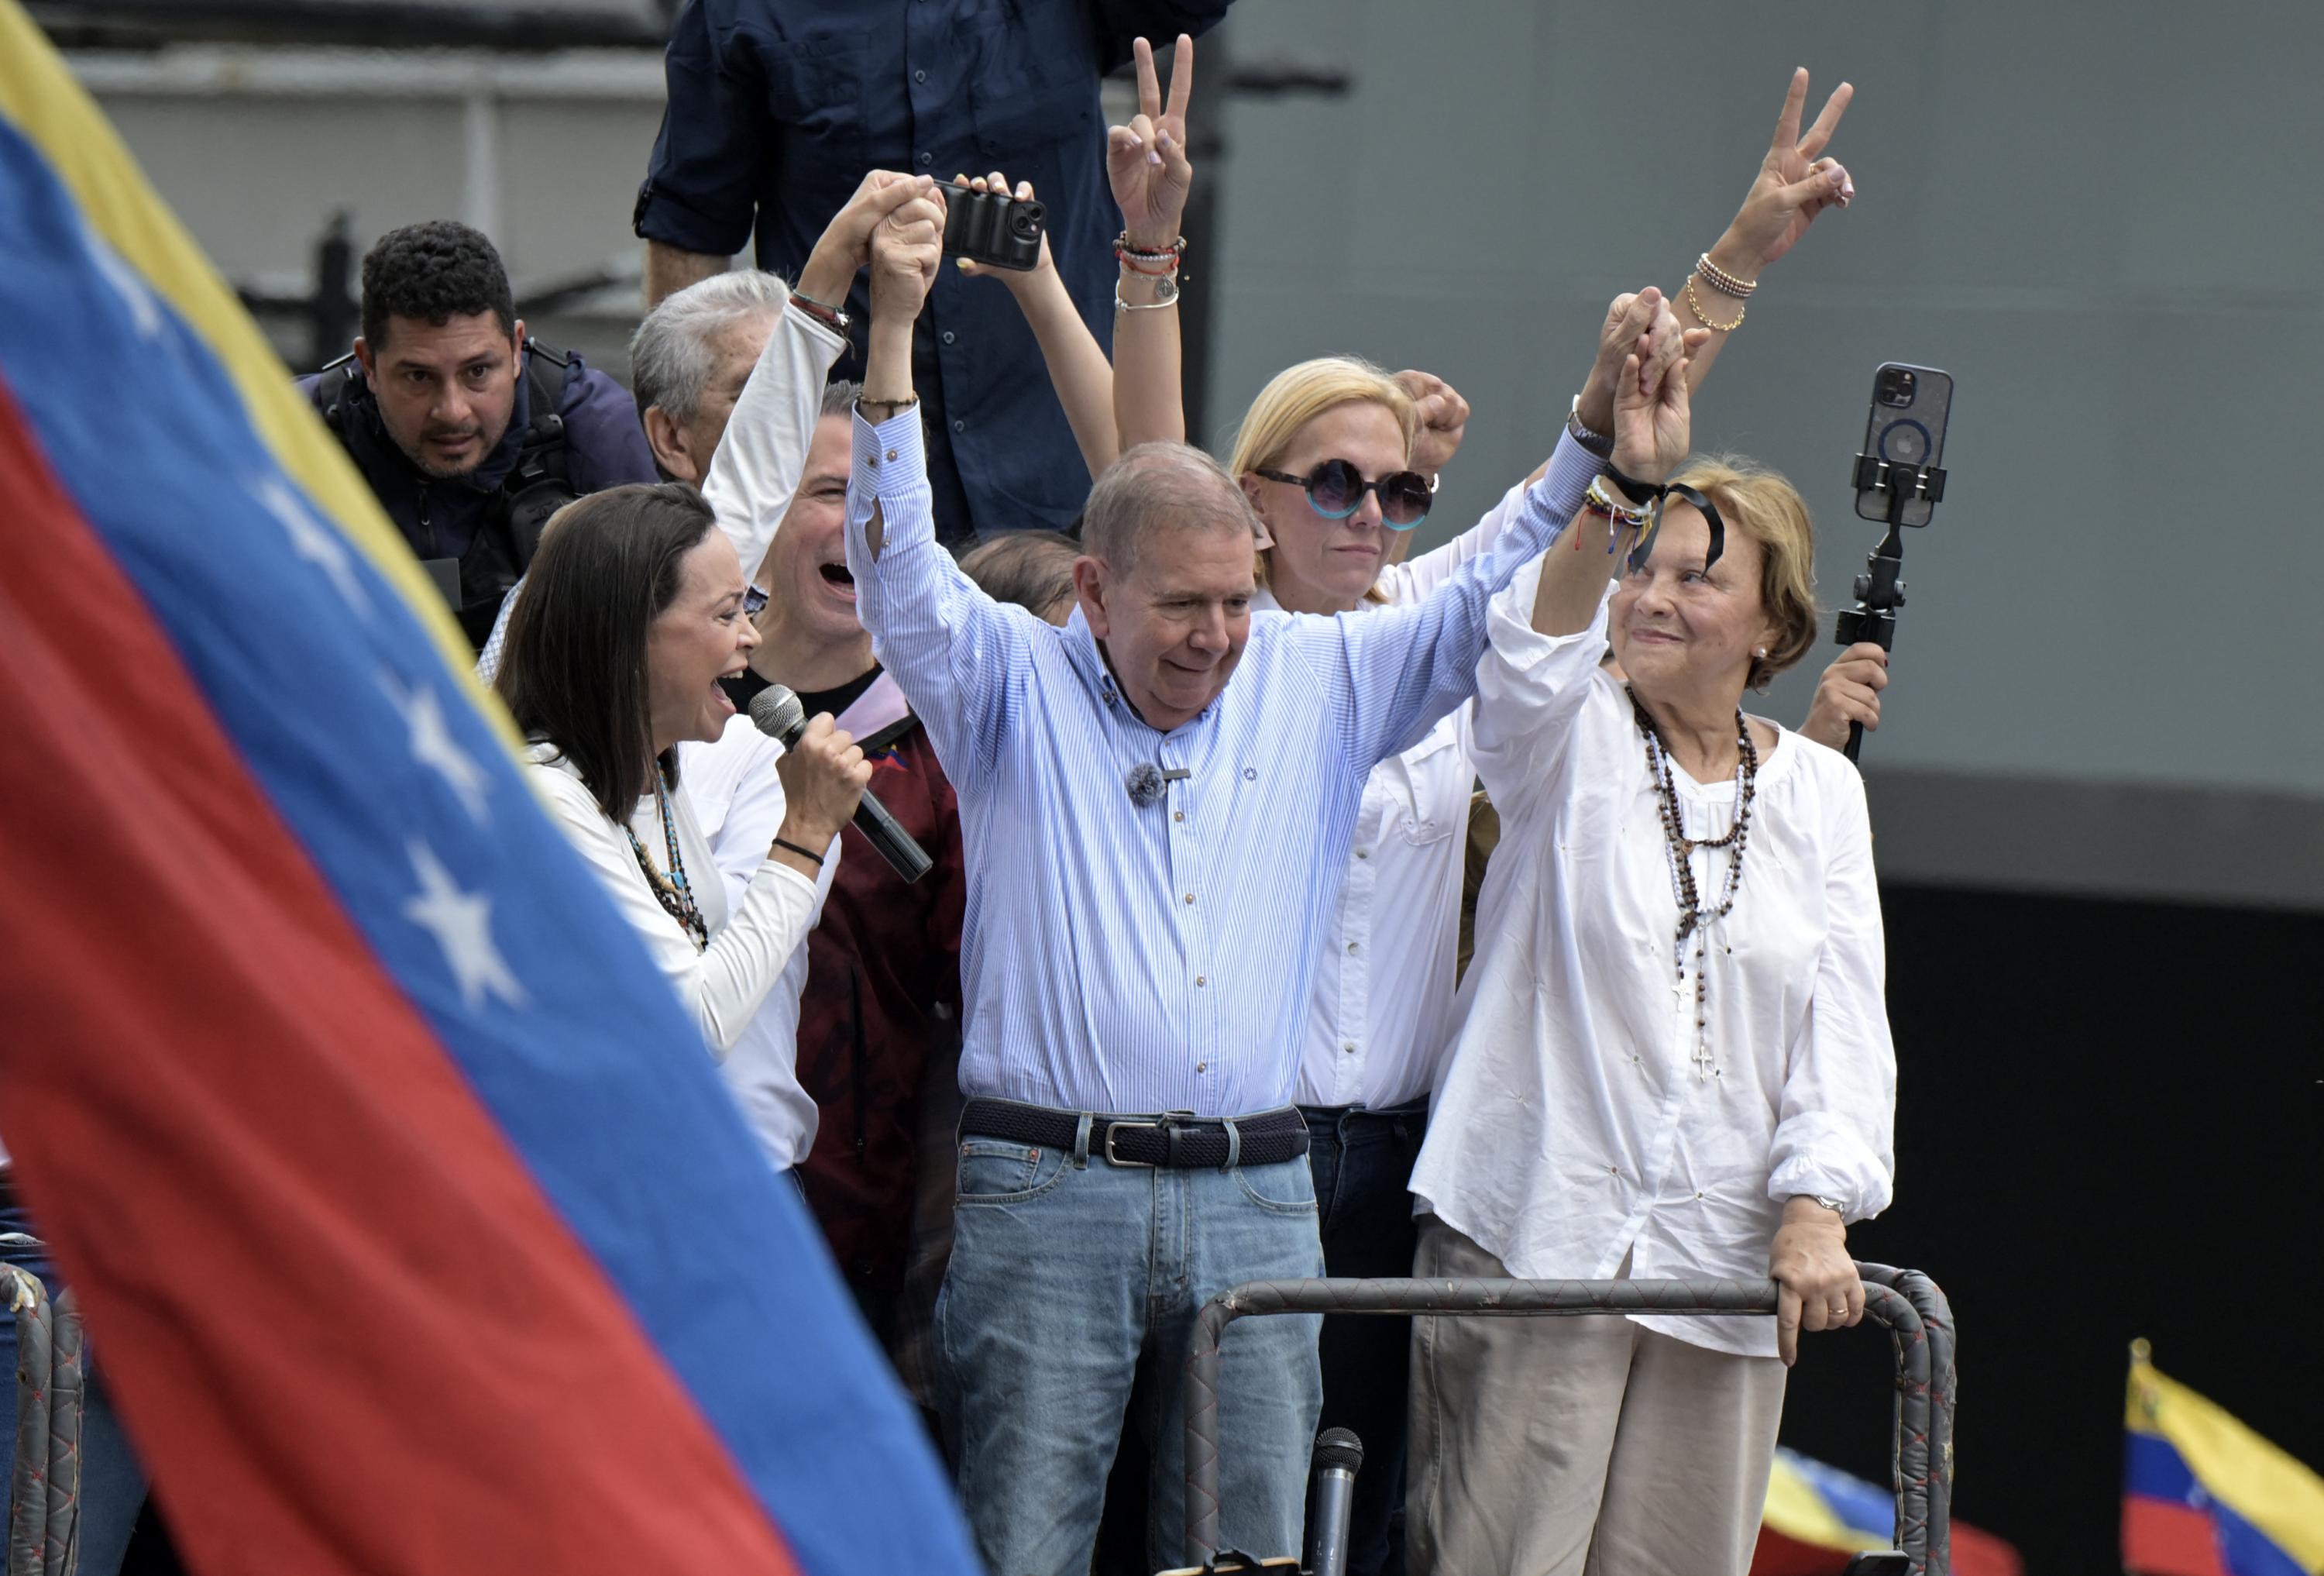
(1724, 283)
(1132, 261)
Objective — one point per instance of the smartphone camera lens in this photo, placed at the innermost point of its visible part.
(1897, 387)
(1025, 222)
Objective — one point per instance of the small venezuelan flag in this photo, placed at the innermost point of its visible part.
(2204, 1496)
(1817, 1517)
(413, 1224)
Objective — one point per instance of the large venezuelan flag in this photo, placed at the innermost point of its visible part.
(2204, 1496)
(414, 1225)
(1818, 1518)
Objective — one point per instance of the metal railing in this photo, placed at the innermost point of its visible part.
(44, 1524)
(1907, 1302)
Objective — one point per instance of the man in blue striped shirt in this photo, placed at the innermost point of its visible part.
(1156, 803)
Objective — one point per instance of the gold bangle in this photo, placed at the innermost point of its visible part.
(1696, 307)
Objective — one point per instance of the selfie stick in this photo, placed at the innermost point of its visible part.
(1879, 593)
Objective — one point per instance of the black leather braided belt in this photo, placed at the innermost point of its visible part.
(1175, 1139)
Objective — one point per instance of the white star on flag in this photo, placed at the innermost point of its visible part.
(461, 923)
(433, 746)
(311, 540)
(144, 312)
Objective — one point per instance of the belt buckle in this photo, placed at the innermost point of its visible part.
(1112, 1128)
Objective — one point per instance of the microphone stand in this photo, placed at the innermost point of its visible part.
(1881, 591)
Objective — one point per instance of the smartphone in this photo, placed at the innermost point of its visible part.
(992, 228)
(1906, 427)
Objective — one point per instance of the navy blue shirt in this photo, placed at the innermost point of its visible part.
(778, 110)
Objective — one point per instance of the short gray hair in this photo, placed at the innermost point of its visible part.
(1160, 486)
(839, 398)
(670, 355)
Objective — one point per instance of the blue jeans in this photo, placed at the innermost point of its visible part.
(111, 1483)
(1362, 1161)
(1070, 1277)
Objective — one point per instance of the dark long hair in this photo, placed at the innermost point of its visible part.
(574, 669)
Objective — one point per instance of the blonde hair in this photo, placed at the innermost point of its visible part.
(1299, 394)
(1762, 505)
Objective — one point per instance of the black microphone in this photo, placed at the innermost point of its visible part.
(777, 713)
(1338, 1455)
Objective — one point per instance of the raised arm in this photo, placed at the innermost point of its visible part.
(755, 471)
(1147, 164)
(1652, 424)
(1078, 369)
(954, 651)
(1391, 674)
(1795, 182)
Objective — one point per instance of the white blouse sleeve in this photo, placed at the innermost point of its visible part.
(1836, 1124)
(723, 985)
(755, 470)
(1530, 686)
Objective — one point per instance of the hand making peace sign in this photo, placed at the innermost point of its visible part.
(1795, 181)
(1146, 160)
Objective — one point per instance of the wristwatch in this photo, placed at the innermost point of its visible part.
(1597, 443)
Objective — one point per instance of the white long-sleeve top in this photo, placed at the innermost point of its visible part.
(1572, 1125)
(724, 984)
(1380, 1016)
(738, 801)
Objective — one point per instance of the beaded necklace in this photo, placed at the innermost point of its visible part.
(672, 891)
(1694, 920)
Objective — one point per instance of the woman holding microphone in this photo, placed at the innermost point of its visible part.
(631, 615)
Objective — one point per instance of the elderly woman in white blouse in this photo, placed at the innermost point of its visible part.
(1674, 1061)
(630, 616)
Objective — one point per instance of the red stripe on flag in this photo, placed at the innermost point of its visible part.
(348, 1331)
(2160, 1538)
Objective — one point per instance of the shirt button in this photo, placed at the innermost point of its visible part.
(1613, 1171)
(1363, 854)
(1202, 1066)
(926, 159)
(1201, 979)
(949, 337)
(920, 76)
(1351, 946)
(1190, 896)
(1350, 1047)
(960, 427)
(1177, 814)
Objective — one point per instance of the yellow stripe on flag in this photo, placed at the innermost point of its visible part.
(1797, 1511)
(2267, 1486)
(40, 98)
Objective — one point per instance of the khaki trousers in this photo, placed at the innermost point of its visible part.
(1586, 1446)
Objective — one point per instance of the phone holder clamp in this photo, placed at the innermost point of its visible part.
(1880, 592)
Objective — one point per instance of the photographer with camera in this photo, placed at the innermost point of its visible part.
(1706, 1086)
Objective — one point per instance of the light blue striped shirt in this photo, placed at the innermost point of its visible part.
(1120, 959)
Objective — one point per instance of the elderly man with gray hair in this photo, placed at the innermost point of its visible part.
(1157, 801)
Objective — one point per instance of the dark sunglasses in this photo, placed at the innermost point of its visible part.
(1336, 489)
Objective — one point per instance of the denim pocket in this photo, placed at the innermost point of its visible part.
(996, 1171)
(1267, 1186)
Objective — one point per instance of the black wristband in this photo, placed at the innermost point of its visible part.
(1640, 494)
(802, 853)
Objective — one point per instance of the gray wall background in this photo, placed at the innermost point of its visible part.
(2103, 220)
